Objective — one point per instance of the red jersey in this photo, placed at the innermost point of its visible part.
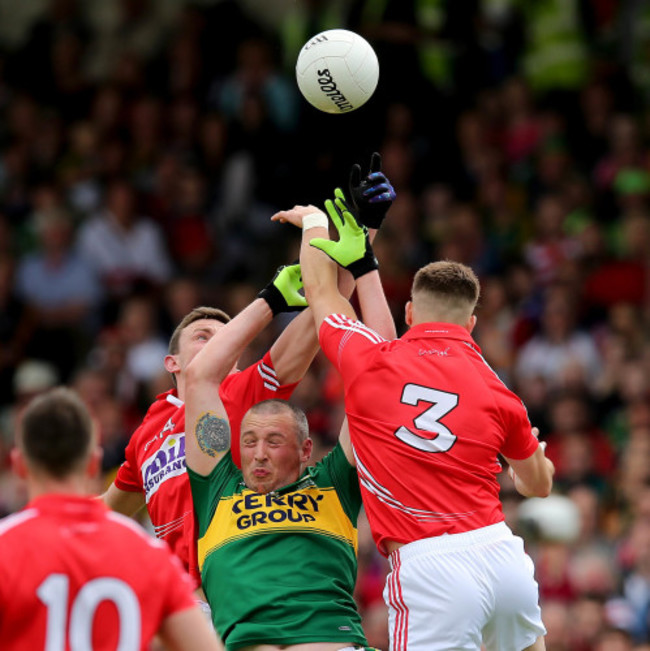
(155, 455)
(75, 575)
(427, 418)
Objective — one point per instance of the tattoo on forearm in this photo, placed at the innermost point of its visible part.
(213, 434)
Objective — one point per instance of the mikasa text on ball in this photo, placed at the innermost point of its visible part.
(337, 71)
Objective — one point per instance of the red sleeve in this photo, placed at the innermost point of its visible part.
(346, 343)
(520, 442)
(128, 477)
(241, 390)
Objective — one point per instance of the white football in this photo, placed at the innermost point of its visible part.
(337, 71)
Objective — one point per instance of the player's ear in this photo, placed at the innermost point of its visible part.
(307, 447)
(171, 364)
(18, 463)
(471, 324)
(408, 313)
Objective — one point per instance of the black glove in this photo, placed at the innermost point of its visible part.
(282, 293)
(372, 196)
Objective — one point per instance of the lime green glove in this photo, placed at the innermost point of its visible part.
(283, 292)
(352, 251)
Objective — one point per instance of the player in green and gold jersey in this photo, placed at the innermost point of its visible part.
(277, 541)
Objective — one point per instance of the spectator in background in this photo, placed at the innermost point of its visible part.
(494, 328)
(522, 131)
(182, 114)
(145, 126)
(49, 65)
(257, 77)
(145, 347)
(589, 142)
(109, 357)
(560, 354)
(579, 449)
(187, 226)
(80, 167)
(128, 29)
(62, 290)
(551, 247)
(124, 249)
(113, 418)
(181, 296)
(557, 622)
(636, 584)
(212, 141)
(588, 621)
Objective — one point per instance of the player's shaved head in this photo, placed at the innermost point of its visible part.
(275, 406)
(56, 433)
(445, 291)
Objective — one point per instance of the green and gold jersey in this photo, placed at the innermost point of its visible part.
(280, 568)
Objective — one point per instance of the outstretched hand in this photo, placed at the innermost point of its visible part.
(352, 250)
(295, 215)
(372, 195)
(283, 291)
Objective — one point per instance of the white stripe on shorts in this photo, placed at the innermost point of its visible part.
(395, 597)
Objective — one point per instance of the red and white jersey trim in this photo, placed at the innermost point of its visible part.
(385, 496)
(342, 322)
(16, 519)
(352, 327)
(163, 530)
(269, 376)
(175, 400)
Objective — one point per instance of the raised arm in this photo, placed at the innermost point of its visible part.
(206, 424)
(295, 348)
(319, 270)
(375, 312)
(207, 431)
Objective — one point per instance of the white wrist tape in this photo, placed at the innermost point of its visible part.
(314, 220)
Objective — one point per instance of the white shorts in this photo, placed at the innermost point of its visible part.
(458, 591)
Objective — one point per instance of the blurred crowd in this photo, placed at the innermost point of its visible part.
(144, 146)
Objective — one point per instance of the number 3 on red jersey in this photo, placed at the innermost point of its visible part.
(429, 420)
